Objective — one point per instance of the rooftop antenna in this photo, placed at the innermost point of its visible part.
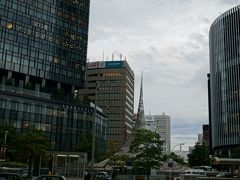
(120, 56)
(150, 112)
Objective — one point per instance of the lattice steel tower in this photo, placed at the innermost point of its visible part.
(140, 121)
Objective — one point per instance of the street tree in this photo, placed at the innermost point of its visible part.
(118, 160)
(147, 147)
(199, 156)
(11, 140)
(85, 145)
(32, 146)
(176, 158)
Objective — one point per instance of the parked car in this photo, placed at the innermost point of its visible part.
(10, 176)
(224, 174)
(51, 177)
(103, 176)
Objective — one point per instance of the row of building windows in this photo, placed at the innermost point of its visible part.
(225, 70)
(115, 95)
(29, 13)
(113, 74)
(36, 62)
(41, 109)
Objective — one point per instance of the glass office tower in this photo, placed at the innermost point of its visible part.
(224, 79)
(43, 48)
(45, 40)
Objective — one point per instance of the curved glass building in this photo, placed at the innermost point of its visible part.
(224, 38)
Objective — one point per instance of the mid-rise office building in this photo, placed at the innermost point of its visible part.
(111, 85)
(160, 124)
(43, 48)
(224, 80)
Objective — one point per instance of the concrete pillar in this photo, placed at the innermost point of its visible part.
(58, 85)
(73, 89)
(26, 79)
(9, 75)
(3, 80)
(43, 82)
(37, 89)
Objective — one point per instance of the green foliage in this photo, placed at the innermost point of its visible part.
(147, 147)
(10, 82)
(24, 147)
(118, 160)
(236, 152)
(44, 89)
(113, 147)
(11, 141)
(59, 94)
(86, 100)
(14, 165)
(29, 85)
(86, 144)
(199, 155)
(177, 158)
(32, 146)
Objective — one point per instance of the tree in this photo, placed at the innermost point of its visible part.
(11, 141)
(147, 147)
(199, 155)
(117, 160)
(29, 85)
(176, 158)
(85, 145)
(32, 146)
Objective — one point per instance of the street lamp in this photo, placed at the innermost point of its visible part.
(172, 161)
(3, 149)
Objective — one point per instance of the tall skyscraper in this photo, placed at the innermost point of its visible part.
(43, 48)
(111, 85)
(224, 80)
(160, 124)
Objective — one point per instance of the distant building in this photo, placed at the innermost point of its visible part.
(200, 138)
(182, 154)
(205, 129)
(160, 124)
(111, 85)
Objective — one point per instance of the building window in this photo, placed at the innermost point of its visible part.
(9, 25)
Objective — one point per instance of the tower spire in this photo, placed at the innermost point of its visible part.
(140, 121)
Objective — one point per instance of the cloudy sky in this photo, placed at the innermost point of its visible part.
(168, 40)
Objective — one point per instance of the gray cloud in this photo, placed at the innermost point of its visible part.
(168, 40)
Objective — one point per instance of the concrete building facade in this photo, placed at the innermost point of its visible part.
(111, 85)
(160, 124)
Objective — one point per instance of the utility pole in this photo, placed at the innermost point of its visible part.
(94, 133)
